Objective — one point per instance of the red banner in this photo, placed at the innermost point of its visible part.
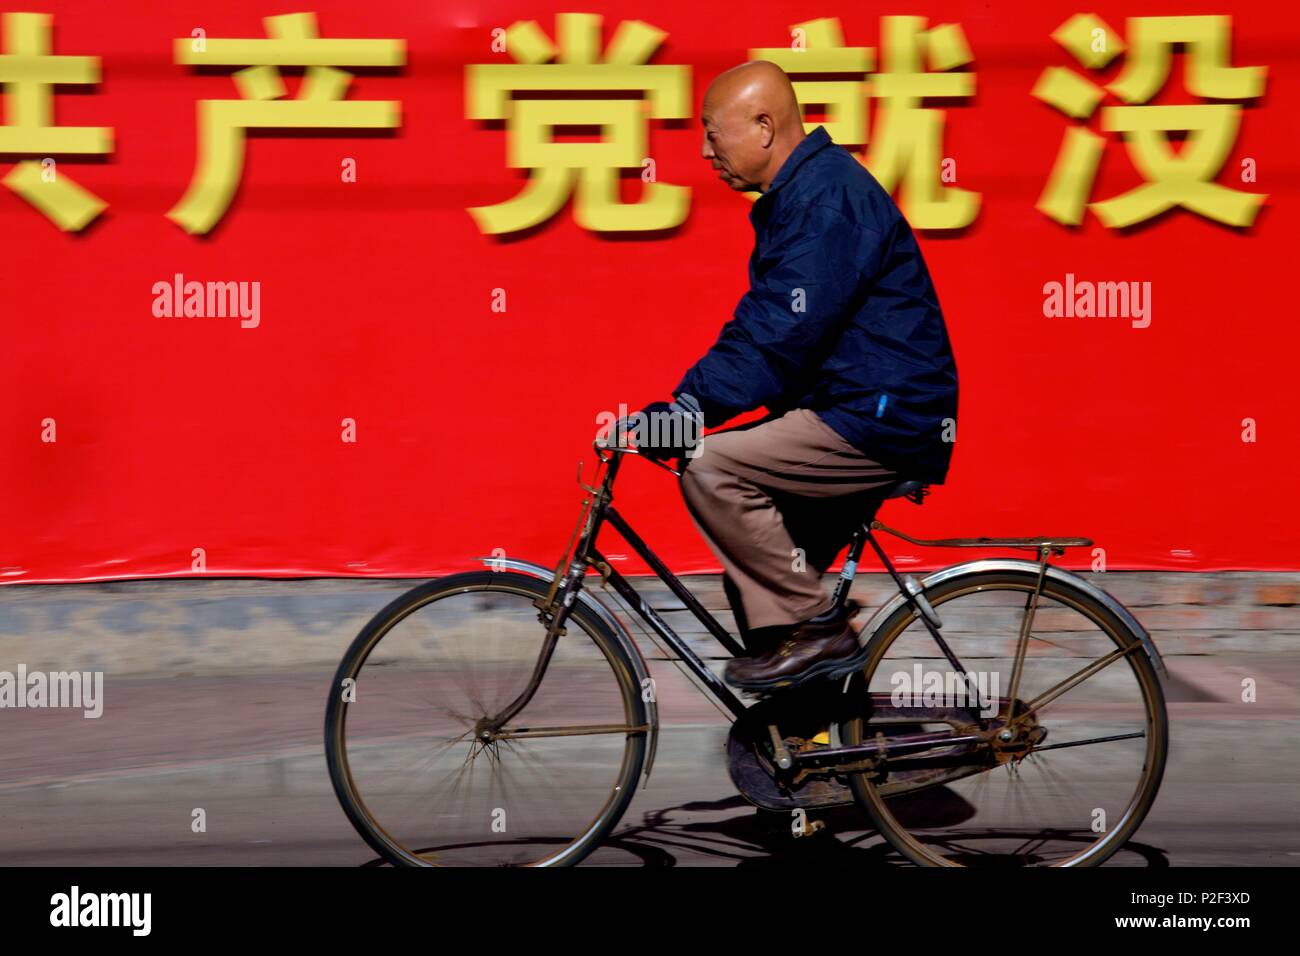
(251, 325)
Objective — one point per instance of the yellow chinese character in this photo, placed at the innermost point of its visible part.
(27, 71)
(319, 104)
(1172, 178)
(593, 167)
(904, 155)
(818, 48)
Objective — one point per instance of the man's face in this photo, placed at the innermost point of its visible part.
(733, 147)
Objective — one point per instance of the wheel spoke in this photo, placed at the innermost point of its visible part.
(1075, 679)
(1094, 740)
(515, 733)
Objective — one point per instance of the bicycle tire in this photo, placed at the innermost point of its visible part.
(1157, 724)
(402, 607)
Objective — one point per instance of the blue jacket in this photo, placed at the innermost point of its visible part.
(841, 318)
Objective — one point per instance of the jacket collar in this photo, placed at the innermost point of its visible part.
(811, 144)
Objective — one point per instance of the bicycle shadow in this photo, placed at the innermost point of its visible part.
(756, 837)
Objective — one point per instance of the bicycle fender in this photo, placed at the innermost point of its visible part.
(1032, 567)
(609, 619)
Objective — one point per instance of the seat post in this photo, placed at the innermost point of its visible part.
(850, 568)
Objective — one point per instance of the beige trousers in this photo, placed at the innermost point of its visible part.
(777, 501)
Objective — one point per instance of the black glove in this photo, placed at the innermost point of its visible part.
(664, 430)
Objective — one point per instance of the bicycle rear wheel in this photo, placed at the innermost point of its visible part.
(404, 728)
(1085, 765)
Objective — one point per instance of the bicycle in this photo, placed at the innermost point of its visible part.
(519, 671)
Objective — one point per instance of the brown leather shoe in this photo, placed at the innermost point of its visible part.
(815, 650)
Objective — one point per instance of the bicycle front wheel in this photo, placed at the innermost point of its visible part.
(1066, 785)
(404, 728)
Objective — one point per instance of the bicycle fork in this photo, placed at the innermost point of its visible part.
(556, 604)
(563, 592)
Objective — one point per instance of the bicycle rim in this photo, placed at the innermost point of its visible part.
(1071, 805)
(402, 744)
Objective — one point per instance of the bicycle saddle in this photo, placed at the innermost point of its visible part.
(912, 490)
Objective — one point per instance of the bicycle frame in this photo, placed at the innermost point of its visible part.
(605, 513)
(570, 575)
(582, 553)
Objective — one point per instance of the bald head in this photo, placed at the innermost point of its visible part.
(752, 123)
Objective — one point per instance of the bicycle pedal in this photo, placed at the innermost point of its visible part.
(844, 667)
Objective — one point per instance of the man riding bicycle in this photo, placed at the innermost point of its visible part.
(842, 339)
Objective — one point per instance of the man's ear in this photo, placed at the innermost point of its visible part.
(767, 135)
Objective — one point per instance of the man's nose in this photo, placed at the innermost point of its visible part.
(707, 150)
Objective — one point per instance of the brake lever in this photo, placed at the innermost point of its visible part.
(668, 468)
(628, 450)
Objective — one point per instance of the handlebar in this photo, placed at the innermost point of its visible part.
(618, 428)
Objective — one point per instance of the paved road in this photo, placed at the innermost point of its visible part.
(246, 749)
